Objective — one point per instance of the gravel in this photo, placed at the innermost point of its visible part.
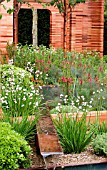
(85, 157)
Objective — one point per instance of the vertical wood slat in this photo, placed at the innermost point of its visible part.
(84, 27)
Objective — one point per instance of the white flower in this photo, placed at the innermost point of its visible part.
(22, 75)
(90, 101)
(12, 83)
(5, 101)
(65, 100)
(93, 92)
(32, 87)
(15, 100)
(84, 103)
(58, 108)
(77, 101)
(31, 95)
(79, 97)
(3, 87)
(22, 105)
(61, 95)
(28, 63)
(20, 88)
(33, 91)
(80, 107)
(40, 87)
(24, 98)
(83, 98)
(72, 103)
(36, 103)
(89, 106)
(24, 89)
(37, 75)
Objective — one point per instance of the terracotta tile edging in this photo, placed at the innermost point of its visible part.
(92, 115)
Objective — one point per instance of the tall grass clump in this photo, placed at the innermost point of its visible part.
(74, 133)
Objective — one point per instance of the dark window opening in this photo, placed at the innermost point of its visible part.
(43, 27)
(25, 26)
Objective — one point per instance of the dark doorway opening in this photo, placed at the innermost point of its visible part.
(25, 26)
(43, 27)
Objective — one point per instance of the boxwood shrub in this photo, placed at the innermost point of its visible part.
(14, 150)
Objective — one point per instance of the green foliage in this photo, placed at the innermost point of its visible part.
(14, 150)
(100, 144)
(10, 48)
(18, 74)
(105, 58)
(74, 74)
(63, 109)
(42, 62)
(0, 16)
(101, 128)
(25, 125)
(74, 133)
(18, 93)
(61, 5)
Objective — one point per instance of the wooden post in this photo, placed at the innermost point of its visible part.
(66, 5)
(15, 23)
(34, 28)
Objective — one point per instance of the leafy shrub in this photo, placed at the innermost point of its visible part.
(14, 150)
(100, 144)
(12, 73)
(74, 133)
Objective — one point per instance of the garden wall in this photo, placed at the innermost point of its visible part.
(85, 26)
(6, 26)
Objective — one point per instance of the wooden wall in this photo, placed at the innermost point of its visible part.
(6, 26)
(84, 28)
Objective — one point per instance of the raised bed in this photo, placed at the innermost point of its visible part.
(92, 116)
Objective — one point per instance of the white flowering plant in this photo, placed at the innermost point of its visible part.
(18, 97)
(77, 74)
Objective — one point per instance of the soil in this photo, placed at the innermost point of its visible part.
(87, 156)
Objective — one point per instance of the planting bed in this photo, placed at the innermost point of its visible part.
(58, 160)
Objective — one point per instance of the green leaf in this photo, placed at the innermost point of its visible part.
(0, 16)
(9, 11)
